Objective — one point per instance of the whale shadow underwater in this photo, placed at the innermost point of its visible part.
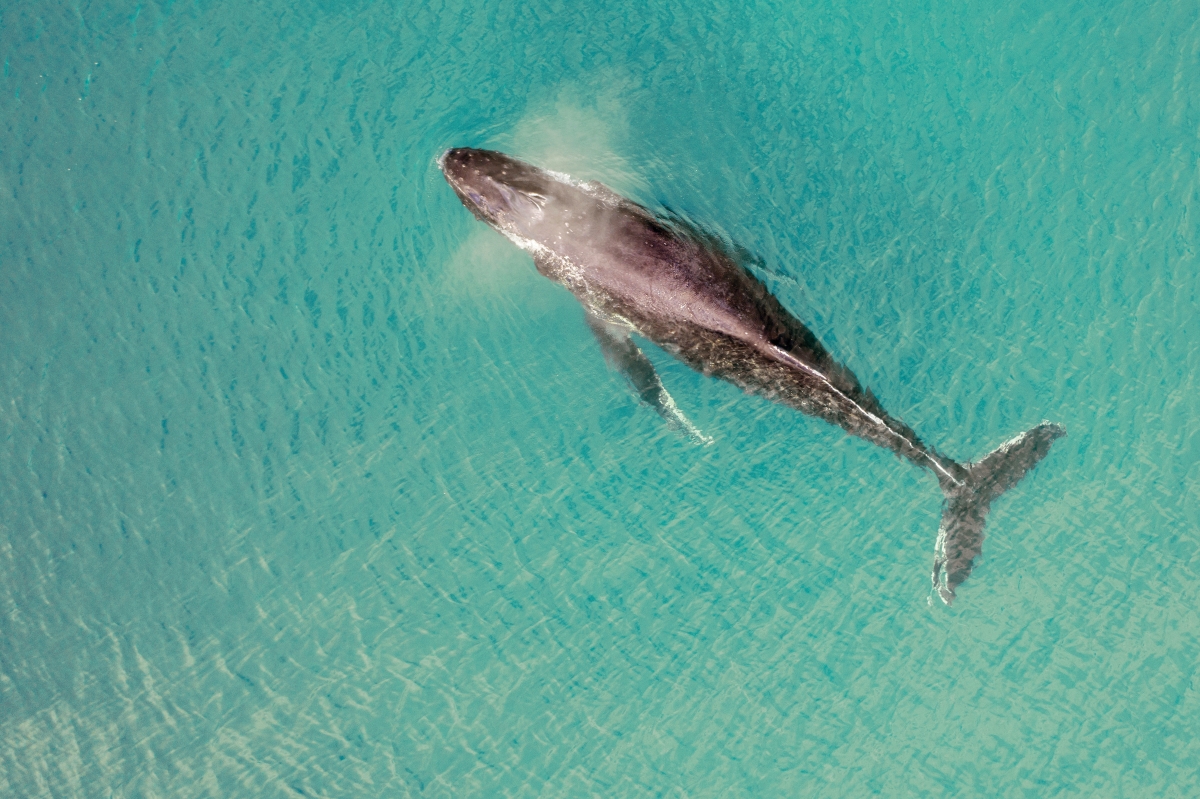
(680, 288)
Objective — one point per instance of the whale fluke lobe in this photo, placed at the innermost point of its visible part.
(690, 293)
(960, 535)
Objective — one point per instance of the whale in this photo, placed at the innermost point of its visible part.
(691, 293)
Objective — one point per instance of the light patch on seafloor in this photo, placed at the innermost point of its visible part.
(486, 263)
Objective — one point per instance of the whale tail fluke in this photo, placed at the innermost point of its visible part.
(960, 536)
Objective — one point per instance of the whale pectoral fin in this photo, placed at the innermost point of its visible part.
(622, 354)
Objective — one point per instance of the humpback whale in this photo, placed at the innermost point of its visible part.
(683, 290)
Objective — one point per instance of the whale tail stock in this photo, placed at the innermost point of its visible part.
(960, 535)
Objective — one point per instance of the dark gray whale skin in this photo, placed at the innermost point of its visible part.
(682, 290)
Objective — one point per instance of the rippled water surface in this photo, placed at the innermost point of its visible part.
(312, 486)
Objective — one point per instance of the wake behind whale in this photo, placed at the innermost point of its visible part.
(634, 272)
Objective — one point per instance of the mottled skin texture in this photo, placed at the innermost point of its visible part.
(684, 292)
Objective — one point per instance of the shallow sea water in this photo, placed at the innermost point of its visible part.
(311, 486)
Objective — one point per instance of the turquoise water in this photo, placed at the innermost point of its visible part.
(311, 486)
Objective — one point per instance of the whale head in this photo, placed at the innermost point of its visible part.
(510, 195)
